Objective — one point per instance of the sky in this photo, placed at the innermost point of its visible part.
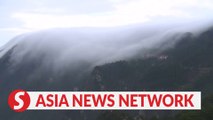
(22, 16)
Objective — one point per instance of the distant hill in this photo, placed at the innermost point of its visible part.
(186, 66)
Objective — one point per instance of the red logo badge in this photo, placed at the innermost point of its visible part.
(19, 100)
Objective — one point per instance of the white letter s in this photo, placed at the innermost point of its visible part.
(19, 100)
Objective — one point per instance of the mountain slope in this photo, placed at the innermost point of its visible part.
(186, 66)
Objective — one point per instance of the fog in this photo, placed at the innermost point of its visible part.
(71, 48)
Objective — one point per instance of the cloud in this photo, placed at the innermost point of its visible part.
(14, 30)
(168, 8)
(59, 49)
(37, 21)
(123, 13)
(28, 15)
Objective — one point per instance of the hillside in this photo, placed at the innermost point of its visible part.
(186, 66)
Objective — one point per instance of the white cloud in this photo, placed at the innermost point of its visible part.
(44, 21)
(40, 15)
(148, 8)
(126, 12)
(14, 30)
(169, 8)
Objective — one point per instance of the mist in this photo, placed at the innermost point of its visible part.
(70, 48)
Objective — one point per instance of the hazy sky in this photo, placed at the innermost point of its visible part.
(20, 16)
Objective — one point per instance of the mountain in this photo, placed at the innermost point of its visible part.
(125, 59)
(186, 66)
